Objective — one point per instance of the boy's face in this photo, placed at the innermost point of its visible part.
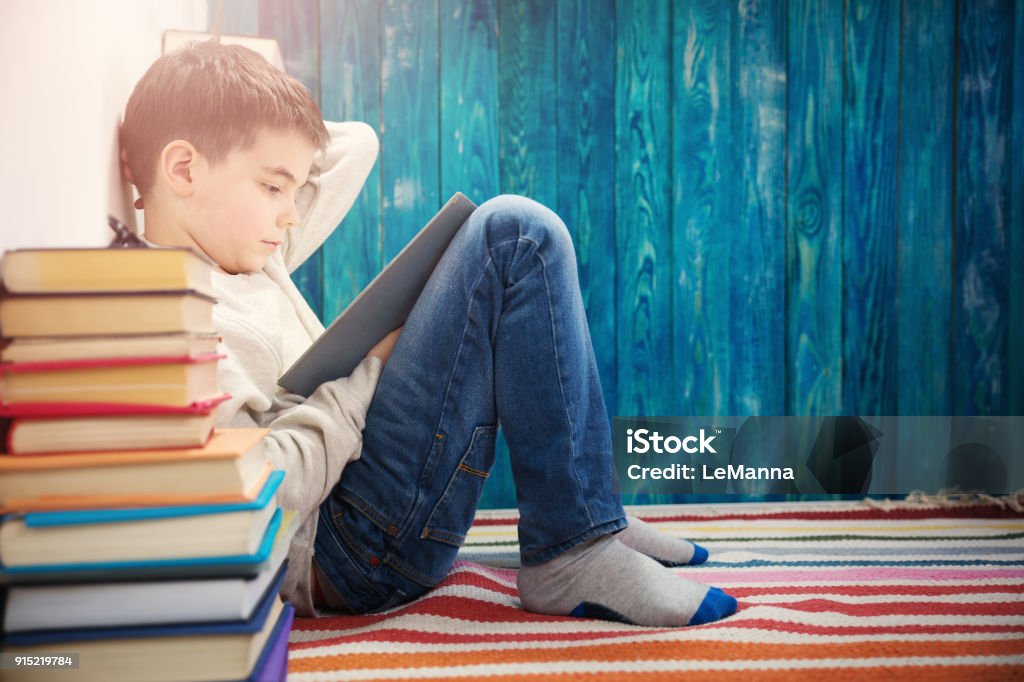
(243, 204)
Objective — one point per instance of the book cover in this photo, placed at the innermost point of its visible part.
(45, 315)
(226, 469)
(134, 603)
(154, 567)
(104, 270)
(279, 535)
(53, 348)
(156, 381)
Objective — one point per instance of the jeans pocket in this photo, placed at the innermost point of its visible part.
(453, 513)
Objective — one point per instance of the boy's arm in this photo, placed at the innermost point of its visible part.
(311, 439)
(334, 182)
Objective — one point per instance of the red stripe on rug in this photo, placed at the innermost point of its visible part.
(902, 608)
(404, 636)
(704, 650)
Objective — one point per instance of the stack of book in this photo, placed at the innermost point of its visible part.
(134, 534)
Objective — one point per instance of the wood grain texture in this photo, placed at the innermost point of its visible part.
(814, 298)
(469, 98)
(410, 120)
(981, 284)
(295, 26)
(350, 91)
(756, 339)
(1016, 340)
(646, 378)
(870, 223)
(926, 209)
(705, 202)
(586, 166)
(527, 92)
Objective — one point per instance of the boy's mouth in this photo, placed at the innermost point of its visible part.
(271, 244)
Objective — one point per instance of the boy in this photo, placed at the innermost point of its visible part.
(385, 466)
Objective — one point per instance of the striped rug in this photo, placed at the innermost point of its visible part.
(827, 591)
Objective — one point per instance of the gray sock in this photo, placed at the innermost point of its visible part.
(603, 578)
(662, 547)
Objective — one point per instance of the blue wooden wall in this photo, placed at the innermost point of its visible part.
(802, 207)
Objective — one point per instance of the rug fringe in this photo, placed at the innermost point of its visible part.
(951, 497)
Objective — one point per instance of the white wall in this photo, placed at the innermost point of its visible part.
(67, 69)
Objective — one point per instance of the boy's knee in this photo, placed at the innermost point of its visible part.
(510, 216)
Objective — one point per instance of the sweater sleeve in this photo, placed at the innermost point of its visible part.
(334, 182)
(311, 439)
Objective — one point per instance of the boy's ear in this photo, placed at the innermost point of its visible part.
(177, 161)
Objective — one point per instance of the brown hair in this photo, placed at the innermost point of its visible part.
(217, 97)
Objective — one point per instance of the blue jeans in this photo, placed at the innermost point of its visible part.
(499, 334)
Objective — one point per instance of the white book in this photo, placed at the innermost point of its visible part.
(152, 602)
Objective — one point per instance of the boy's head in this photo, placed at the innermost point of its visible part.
(217, 140)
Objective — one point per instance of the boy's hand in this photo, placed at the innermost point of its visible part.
(383, 348)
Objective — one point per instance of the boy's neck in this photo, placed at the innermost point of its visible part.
(164, 232)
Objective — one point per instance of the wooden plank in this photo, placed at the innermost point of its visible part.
(814, 260)
(469, 98)
(704, 203)
(410, 146)
(527, 150)
(1016, 340)
(926, 209)
(647, 378)
(586, 160)
(757, 334)
(870, 159)
(294, 25)
(981, 313)
(350, 72)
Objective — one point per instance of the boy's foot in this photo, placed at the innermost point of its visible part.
(605, 579)
(663, 548)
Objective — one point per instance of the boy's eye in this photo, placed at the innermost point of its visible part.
(273, 189)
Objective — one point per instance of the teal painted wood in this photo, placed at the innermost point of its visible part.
(527, 153)
(870, 207)
(527, 149)
(469, 98)
(981, 312)
(410, 121)
(586, 163)
(295, 27)
(705, 204)
(350, 87)
(233, 17)
(1016, 340)
(647, 378)
(926, 209)
(756, 339)
(814, 206)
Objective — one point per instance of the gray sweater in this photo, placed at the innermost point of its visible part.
(267, 324)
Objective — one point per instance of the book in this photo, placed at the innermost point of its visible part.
(381, 307)
(34, 271)
(49, 348)
(40, 435)
(161, 653)
(70, 409)
(280, 532)
(119, 535)
(138, 381)
(106, 314)
(230, 467)
(135, 603)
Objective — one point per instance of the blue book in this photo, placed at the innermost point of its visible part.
(108, 536)
(280, 530)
